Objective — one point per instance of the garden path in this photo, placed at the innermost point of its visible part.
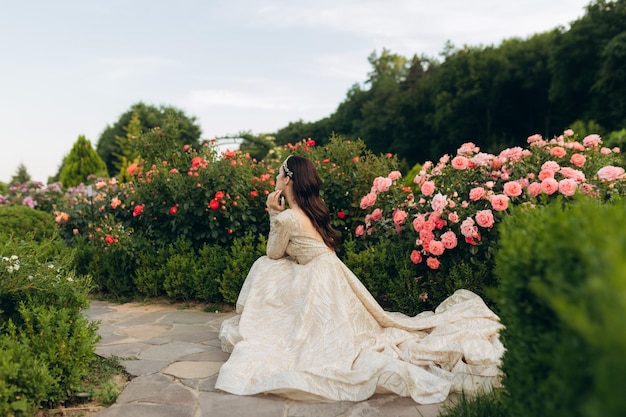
(173, 356)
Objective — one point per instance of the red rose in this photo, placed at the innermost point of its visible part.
(254, 193)
(109, 239)
(341, 214)
(214, 204)
(138, 210)
(310, 142)
(219, 195)
(173, 210)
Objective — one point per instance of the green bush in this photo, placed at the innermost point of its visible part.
(212, 262)
(24, 379)
(42, 328)
(243, 253)
(62, 340)
(563, 280)
(24, 222)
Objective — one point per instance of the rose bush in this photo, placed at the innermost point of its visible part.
(446, 222)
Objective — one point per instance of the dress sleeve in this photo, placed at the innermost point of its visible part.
(278, 238)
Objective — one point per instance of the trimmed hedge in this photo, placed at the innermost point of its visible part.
(563, 300)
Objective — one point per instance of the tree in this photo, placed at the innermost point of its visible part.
(21, 175)
(128, 153)
(80, 163)
(109, 149)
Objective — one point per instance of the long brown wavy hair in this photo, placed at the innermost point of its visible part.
(306, 192)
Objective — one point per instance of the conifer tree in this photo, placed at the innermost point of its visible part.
(21, 175)
(128, 154)
(80, 163)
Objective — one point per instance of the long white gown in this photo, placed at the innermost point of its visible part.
(308, 329)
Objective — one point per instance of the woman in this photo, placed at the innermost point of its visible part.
(308, 329)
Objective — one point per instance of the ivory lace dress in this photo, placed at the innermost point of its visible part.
(308, 329)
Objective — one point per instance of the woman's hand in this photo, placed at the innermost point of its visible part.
(275, 200)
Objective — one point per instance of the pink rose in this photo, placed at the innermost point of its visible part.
(610, 173)
(453, 217)
(439, 202)
(591, 140)
(477, 193)
(550, 166)
(399, 216)
(368, 200)
(376, 214)
(534, 138)
(572, 173)
(467, 148)
(605, 151)
(512, 188)
(433, 263)
(428, 188)
(546, 173)
(448, 239)
(534, 189)
(394, 175)
(467, 227)
(499, 202)
(381, 184)
(426, 236)
(558, 152)
(359, 230)
(549, 186)
(484, 218)
(436, 247)
(460, 162)
(568, 132)
(567, 187)
(416, 257)
(578, 159)
(418, 222)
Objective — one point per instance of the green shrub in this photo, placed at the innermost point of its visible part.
(563, 280)
(243, 253)
(24, 379)
(23, 222)
(487, 404)
(63, 340)
(212, 262)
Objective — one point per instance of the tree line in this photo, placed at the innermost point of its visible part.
(495, 96)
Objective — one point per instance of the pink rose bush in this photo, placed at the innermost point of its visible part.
(455, 204)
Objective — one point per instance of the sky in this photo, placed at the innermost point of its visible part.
(73, 67)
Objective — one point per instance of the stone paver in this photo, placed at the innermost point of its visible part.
(174, 357)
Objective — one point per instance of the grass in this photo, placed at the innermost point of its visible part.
(99, 390)
(487, 404)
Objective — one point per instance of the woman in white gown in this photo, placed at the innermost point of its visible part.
(308, 329)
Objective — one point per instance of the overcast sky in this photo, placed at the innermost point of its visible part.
(72, 67)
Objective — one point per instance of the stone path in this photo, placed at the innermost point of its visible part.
(174, 357)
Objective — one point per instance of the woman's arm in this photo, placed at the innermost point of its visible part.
(278, 238)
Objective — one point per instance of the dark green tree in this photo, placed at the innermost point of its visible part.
(582, 60)
(109, 149)
(80, 163)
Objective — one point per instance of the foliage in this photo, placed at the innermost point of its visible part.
(34, 194)
(24, 379)
(494, 95)
(448, 219)
(21, 175)
(562, 305)
(485, 404)
(23, 221)
(42, 329)
(243, 253)
(80, 163)
(109, 149)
